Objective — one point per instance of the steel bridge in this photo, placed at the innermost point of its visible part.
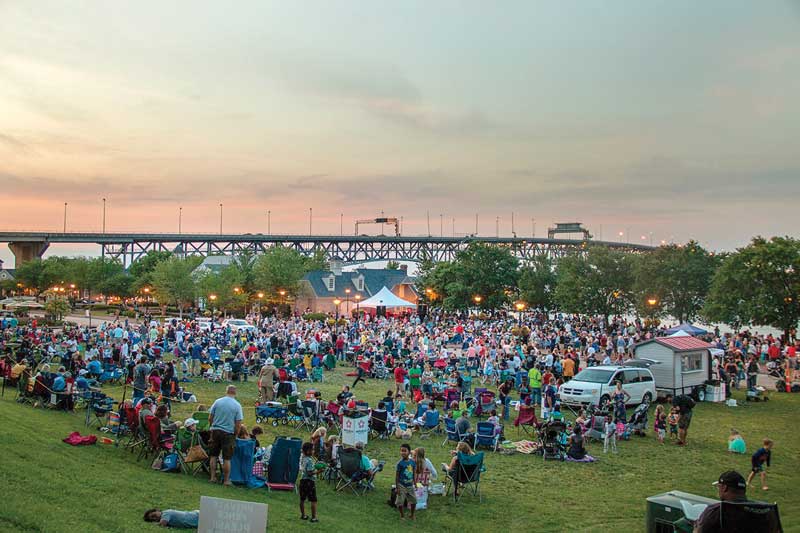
(128, 247)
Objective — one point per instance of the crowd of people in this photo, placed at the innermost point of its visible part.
(423, 356)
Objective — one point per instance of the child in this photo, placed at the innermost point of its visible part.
(762, 456)
(660, 425)
(404, 482)
(495, 420)
(736, 443)
(672, 420)
(610, 435)
(308, 487)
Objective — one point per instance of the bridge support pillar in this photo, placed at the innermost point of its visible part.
(27, 251)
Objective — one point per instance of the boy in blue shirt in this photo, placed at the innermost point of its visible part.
(404, 482)
(762, 457)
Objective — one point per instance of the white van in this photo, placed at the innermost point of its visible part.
(596, 385)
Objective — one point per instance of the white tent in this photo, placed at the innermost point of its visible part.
(385, 298)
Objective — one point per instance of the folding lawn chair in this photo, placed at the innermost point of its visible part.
(284, 463)
(309, 417)
(185, 441)
(158, 443)
(746, 517)
(485, 436)
(242, 464)
(317, 374)
(526, 420)
(202, 420)
(452, 434)
(431, 424)
(98, 408)
(350, 472)
(467, 476)
(379, 424)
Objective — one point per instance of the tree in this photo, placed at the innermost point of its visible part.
(480, 270)
(281, 269)
(56, 308)
(108, 277)
(758, 284)
(318, 261)
(173, 282)
(32, 275)
(537, 282)
(142, 268)
(676, 278)
(392, 265)
(597, 283)
(226, 286)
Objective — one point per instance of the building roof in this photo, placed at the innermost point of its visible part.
(680, 344)
(214, 263)
(374, 281)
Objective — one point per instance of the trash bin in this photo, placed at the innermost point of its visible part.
(665, 510)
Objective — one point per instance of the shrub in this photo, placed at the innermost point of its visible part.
(315, 316)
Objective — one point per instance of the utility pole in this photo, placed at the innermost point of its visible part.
(428, 216)
(180, 219)
(310, 217)
(512, 224)
(454, 226)
(269, 222)
(341, 224)
(220, 219)
(65, 217)
(441, 225)
(104, 215)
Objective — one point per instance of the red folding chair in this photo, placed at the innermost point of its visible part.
(526, 420)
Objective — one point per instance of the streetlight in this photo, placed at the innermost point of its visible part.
(347, 297)
(104, 215)
(65, 217)
(220, 219)
(478, 300)
(260, 298)
(652, 301)
(520, 307)
(213, 298)
(336, 302)
(180, 219)
(358, 301)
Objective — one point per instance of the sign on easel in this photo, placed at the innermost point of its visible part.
(219, 515)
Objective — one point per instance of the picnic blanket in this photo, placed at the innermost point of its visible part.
(75, 439)
(523, 446)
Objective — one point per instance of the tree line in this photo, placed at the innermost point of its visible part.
(755, 285)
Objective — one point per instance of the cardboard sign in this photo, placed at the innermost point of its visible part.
(219, 515)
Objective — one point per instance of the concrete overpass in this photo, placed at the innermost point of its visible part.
(128, 247)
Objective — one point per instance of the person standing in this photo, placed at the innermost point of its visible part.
(400, 374)
(266, 377)
(404, 482)
(759, 460)
(225, 417)
(685, 404)
(308, 485)
(535, 384)
(140, 373)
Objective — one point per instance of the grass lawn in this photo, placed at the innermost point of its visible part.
(50, 486)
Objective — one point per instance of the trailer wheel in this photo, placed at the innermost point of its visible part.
(274, 423)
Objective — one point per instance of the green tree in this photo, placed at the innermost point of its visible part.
(598, 282)
(758, 284)
(173, 282)
(392, 265)
(537, 282)
(142, 268)
(676, 278)
(480, 270)
(281, 269)
(317, 261)
(57, 307)
(108, 277)
(32, 275)
(226, 286)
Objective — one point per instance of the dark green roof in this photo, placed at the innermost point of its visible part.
(374, 281)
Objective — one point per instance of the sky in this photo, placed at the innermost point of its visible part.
(663, 120)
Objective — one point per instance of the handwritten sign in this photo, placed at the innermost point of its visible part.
(218, 515)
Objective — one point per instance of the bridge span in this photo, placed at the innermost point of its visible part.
(128, 247)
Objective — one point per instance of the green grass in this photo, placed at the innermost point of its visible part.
(49, 486)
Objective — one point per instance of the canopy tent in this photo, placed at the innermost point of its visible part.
(688, 328)
(386, 298)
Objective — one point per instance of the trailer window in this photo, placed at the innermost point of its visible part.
(691, 362)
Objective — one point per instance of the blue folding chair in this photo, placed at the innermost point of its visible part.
(284, 463)
(485, 436)
(451, 432)
(466, 475)
(242, 465)
(432, 424)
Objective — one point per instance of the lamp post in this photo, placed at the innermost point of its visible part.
(213, 298)
(220, 219)
(336, 302)
(260, 299)
(180, 219)
(104, 215)
(347, 299)
(358, 301)
(65, 217)
(477, 299)
(520, 308)
(283, 294)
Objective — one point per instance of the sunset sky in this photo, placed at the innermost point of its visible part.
(680, 118)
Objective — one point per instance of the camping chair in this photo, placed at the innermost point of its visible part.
(317, 374)
(202, 420)
(99, 405)
(309, 417)
(350, 472)
(158, 443)
(467, 475)
(186, 440)
(485, 436)
(744, 517)
(485, 403)
(379, 424)
(451, 432)
(431, 424)
(284, 463)
(526, 420)
(129, 425)
(333, 416)
(422, 408)
(242, 464)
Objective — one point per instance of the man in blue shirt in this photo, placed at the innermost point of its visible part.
(225, 418)
(173, 518)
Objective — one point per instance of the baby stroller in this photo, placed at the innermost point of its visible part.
(553, 441)
(272, 411)
(637, 425)
(486, 403)
(595, 425)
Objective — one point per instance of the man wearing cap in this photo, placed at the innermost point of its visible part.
(265, 380)
(225, 418)
(732, 488)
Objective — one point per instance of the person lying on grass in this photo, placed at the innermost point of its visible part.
(172, 518)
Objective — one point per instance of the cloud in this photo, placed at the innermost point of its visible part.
(14, 143)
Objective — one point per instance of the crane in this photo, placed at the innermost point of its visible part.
(381, 220)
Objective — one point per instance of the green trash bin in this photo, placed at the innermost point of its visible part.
(665, 512)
